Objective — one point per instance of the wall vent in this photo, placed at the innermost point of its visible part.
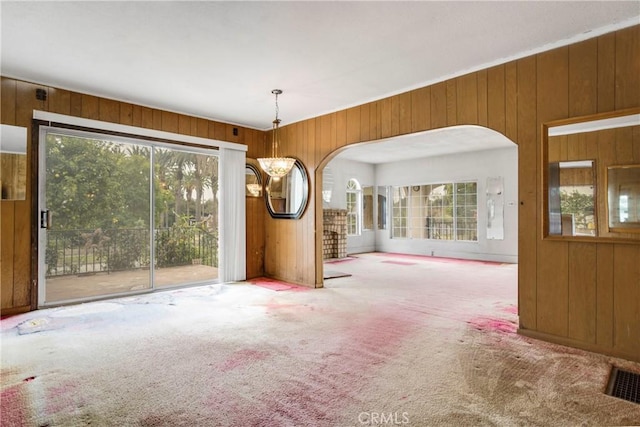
(624, 385)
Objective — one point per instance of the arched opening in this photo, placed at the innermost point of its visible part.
(448, 193)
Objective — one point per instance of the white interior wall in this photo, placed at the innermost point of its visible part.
(342, 171)
(474, 166)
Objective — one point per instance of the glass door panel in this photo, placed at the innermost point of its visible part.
(186, 219)
(95, 217)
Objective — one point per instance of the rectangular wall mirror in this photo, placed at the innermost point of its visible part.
(13, 162)
(591, 177)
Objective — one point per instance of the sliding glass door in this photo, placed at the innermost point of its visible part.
(120, 216)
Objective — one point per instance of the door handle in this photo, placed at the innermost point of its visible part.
(45, 219)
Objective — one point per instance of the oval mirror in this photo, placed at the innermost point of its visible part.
(287, 196)
(253, 181)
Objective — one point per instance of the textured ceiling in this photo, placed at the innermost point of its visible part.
(439, 142)
(220, 60)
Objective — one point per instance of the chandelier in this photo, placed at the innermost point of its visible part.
(276, 166)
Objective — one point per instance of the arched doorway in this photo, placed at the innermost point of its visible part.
(474, 168)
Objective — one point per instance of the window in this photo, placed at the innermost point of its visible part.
(399, 211)
(444, 211)
(354, 208)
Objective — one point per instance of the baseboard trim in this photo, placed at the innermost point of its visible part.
(568, 342)
(15, 310)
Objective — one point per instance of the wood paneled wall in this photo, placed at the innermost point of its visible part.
(17, 290)
(581, 294)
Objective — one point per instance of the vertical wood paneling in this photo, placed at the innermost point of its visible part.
(26, 102)
(7, 252)
(341, 128)
(404, 113)
(636, 144)
(552, 288)
(353, 125)
(511, 100)
(365, 124)
(582, 292)
(325, 132)
(421, 109)
(333, 132)
(627, 86)
(76, 104)
(604, 295)
(576, 146)
(606, 72)
(126, 114)
(483, 98)
(8, 101)
(136, 116)
(496, 114)
(552, 103)
(467, 99)
(156, 119)
(626, 302)
(395, 115)
(169, 122)
(202, 129)
(583, 78)
(384, 112)
(452, 103)
(552, 257)
(624, 145)
(59, 101)
(146, 117)
(439, 105)
(109, 110)
(90, 107)
(22, 264)
(374, 122)
(310, 226)
(184, 125)
(528, 160)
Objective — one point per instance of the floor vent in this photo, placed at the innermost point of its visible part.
(624, 385)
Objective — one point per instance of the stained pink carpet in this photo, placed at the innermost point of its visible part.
(431, 344)
(277, 285)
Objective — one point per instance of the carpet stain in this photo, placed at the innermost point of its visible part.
(399, 262)
(13, 411)
(242, 358)
(63, 398)
(511, 309)
(338, 378)
(489, 324)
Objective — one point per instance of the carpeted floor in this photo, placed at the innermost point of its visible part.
(431, 343)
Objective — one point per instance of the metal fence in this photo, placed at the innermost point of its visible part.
(443, 229)
(93, 251)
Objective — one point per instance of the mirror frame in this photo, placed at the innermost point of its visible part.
(305, 198)
(606, 234)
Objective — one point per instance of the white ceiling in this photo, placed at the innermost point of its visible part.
(438, 142)
(220, 60)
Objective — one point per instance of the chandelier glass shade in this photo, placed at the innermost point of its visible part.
(275, 165)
